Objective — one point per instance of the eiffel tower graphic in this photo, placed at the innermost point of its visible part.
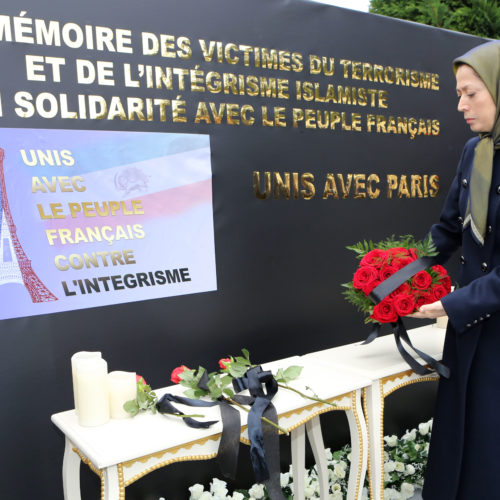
(15, 267)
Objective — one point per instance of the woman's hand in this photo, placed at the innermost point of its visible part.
(429, 311)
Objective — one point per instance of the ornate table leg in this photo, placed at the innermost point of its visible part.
(359, 448)
(71, 472)
(299, 462)
(374, 409)
(313, 428)
(112, 483)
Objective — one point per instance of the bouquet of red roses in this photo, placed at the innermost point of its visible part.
(385, 258)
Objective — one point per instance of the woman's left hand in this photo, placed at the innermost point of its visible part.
(429, 311)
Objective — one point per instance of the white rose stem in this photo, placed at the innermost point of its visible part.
(82, 355)
(92, 390)
(122, 388)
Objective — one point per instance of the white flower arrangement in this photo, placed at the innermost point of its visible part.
(405, 460)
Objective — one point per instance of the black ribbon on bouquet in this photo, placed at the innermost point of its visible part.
(229, 445)
(400, 334)
(264, 438)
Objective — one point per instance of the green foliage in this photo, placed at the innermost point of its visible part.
(424, 248)
(146, 400)
(481, 18)
(476, 17)
(219, 385)
(191, 379)
(220, 382)
(361, 248)
(285, 376)
(359, 300)
(406, 457)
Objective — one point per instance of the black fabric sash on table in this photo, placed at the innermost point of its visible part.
(229, 446)
(264, 438)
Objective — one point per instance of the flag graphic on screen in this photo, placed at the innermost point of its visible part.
(103, 218)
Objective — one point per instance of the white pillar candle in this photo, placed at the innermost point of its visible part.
(92, 389)
(75, 359)
(122, 388)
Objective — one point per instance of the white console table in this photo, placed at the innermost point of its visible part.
(381, 361)
(122, 451)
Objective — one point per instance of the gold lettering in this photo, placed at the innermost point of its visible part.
(392, 184)
(267, 185)
(330, 187)
(359, 186)
(372, 193)
(433, 185)
(403, 188)
(309, 190)
(416, 181)
(281, 186)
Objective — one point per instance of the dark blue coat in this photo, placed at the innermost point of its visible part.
(464, 457)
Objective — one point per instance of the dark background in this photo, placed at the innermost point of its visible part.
(279, 262)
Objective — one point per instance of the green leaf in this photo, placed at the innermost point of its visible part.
(188, 378)
(242, 361)
(226, 380)
(190, 393)
(280, 376)
(215, 393)
(142, 397)
(228, 392)
(292, 372)
(246, 354)
(361, 248)
(131, 407)
(237, 370)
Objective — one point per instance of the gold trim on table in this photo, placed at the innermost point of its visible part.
(360, 437)
(168, 462)
(86, 461)
(175, 449)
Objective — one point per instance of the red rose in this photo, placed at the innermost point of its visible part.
(364, 276)
(384, 312)
(224, 362)
(386, 271)
(440, 270)
(438, 292)
(370, 286)
(176, 372)
(424, 298)
(375, 258)
(446, 282)
(397, 252)
(413, 253)
(403, 288)
(139, 379)
(422, 280)
(401, 262)
(404, 303)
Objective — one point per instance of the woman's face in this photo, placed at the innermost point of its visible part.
(475, 101)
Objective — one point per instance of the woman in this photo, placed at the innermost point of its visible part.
(464, 456)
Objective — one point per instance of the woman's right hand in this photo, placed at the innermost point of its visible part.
(429, 311)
